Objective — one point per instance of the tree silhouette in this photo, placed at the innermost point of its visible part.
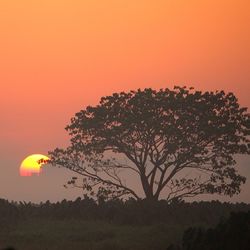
(179, 143)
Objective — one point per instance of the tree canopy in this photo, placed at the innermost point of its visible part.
(178, 142)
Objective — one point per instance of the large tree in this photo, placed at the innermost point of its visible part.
(179, 143)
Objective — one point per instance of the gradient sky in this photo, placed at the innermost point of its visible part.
(57, 56)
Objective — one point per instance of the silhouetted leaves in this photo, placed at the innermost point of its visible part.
(182, 141)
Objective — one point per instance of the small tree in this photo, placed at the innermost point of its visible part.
(180, 143)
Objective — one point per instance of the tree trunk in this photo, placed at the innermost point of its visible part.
(146, 188)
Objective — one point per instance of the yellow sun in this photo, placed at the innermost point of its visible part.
(32, 164)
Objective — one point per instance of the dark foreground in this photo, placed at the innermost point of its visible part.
(83, 224)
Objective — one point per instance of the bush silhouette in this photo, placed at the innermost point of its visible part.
(232, 234)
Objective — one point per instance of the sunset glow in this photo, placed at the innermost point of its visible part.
(32, 165)
(58, 57)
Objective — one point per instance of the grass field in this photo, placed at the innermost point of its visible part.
(77, 234)
(83, 224)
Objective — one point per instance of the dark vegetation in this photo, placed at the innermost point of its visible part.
(230, 234)
(134, 225)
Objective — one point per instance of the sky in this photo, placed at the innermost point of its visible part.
(58, 56)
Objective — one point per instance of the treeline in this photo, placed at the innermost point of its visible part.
(206, 214)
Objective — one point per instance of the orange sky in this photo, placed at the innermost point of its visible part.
(57, 56)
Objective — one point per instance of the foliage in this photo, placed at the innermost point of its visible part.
(230, 234)
(178, 143)
(130, 212)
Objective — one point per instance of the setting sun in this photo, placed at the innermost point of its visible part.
(32, 164)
